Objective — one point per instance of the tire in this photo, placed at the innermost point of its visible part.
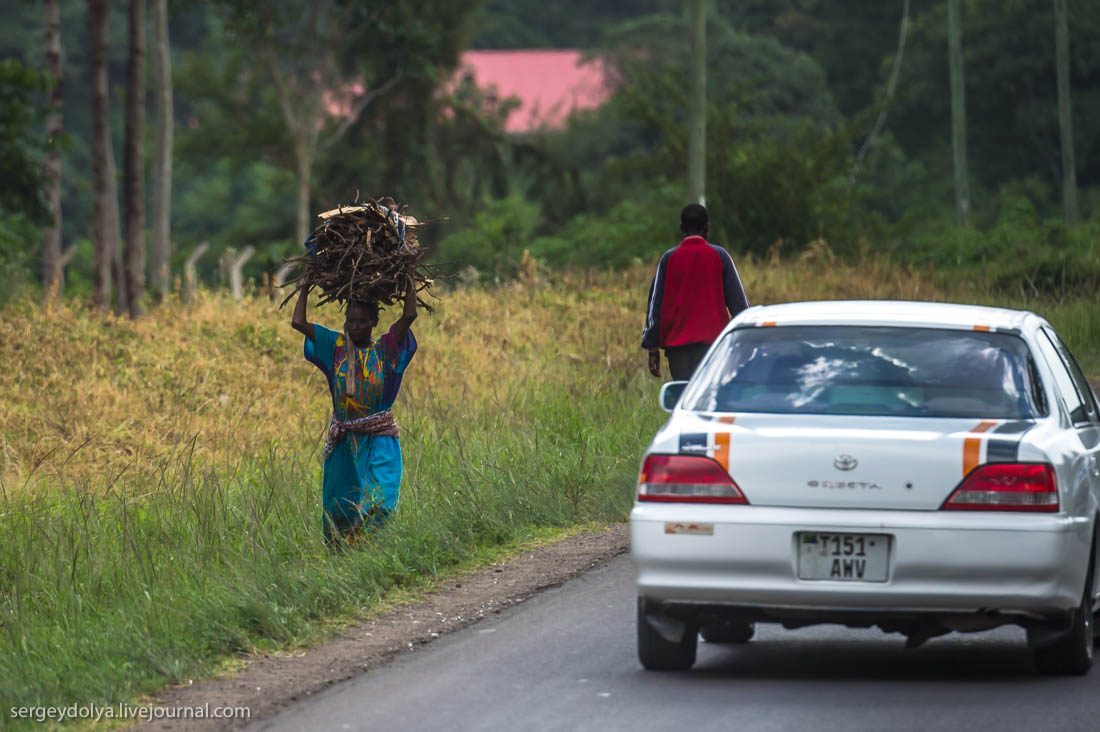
(1072, 655)
(658, 654)
(728, 632)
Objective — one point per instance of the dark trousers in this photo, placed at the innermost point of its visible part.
(682, 360)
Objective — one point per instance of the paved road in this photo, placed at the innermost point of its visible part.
(565, 660)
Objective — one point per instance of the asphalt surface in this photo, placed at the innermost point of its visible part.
(565, 660)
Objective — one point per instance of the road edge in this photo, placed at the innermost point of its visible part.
(271, 683)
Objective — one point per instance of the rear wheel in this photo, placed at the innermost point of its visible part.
(1072, 655)
(658, 654)
(728, 632)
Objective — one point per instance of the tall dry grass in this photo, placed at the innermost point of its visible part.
(102, 398)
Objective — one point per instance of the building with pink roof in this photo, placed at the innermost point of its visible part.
(549, 84)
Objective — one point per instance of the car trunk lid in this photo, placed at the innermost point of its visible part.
(829, 461)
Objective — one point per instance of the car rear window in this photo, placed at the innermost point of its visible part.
(888, 371)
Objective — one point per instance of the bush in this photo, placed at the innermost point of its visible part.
(495, 241)
(633, 231)
(1020, 251)
(18, 237)
(783, 180)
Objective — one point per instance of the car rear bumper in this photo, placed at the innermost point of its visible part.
(940, 562)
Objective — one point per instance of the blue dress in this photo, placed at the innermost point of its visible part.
(362, 475)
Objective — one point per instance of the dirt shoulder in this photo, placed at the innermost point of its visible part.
(270, 683)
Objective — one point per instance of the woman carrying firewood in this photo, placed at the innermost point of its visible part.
(362, 453)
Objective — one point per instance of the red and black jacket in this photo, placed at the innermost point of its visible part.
(694, 294)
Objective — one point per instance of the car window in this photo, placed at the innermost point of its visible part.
(1037, 393)
(1084, 391)
(898, 371)
(1062, 379)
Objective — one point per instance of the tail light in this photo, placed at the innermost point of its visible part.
(1011, 487)
(686, 479)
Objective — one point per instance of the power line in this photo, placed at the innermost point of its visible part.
(903, 32)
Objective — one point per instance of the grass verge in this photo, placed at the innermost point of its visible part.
(111, 595)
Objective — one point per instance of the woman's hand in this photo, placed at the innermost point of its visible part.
(410, 299)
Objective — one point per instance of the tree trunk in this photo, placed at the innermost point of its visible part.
(101, 145)
(190, 274)
(133, 177)
(51, 237)
(114, 236)
(958, 112)
(236, 278)
(161, 249)
(304, 164)
(697, 109)
(1065, 112)
(305, 113)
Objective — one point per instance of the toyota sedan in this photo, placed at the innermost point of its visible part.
(920, 467)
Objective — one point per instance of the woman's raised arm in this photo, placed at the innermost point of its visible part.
(401, 326)
(298, 320)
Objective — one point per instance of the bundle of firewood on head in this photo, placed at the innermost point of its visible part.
(363, 252)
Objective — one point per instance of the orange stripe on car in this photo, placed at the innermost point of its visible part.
(722, 449)
(972, 445)
(767, 324)
(982, 328)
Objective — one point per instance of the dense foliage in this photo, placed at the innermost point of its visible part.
(21, 201)
(795, 87)
(794, 90)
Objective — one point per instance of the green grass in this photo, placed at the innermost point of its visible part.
(1078, 322)
(104, 597)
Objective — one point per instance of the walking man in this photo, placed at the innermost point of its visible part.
(695, 292)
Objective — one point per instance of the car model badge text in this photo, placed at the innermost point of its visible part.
(848, 484)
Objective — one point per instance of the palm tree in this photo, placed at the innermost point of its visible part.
(697, 109)
(101, 145)
(51, 238)
(958, 111)
(161, 244)
(133, 175)
(1065, 112)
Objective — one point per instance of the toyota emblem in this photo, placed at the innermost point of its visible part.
(845, 462)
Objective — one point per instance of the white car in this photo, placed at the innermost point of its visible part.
(920, 467)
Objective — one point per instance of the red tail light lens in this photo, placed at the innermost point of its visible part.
(1015, 487)
(686, 479)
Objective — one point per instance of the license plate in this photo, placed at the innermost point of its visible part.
(843, 557)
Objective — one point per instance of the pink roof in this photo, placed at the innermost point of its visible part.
(549, 84)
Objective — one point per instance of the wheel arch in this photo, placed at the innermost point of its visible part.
(1092, 569)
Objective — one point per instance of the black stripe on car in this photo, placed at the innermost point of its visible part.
(694, 444)
(1004, 441)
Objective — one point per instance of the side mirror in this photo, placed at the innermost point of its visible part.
(670, 394)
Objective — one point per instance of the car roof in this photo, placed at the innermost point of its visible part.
(885, 313)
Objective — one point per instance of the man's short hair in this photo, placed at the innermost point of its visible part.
(694, 219)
